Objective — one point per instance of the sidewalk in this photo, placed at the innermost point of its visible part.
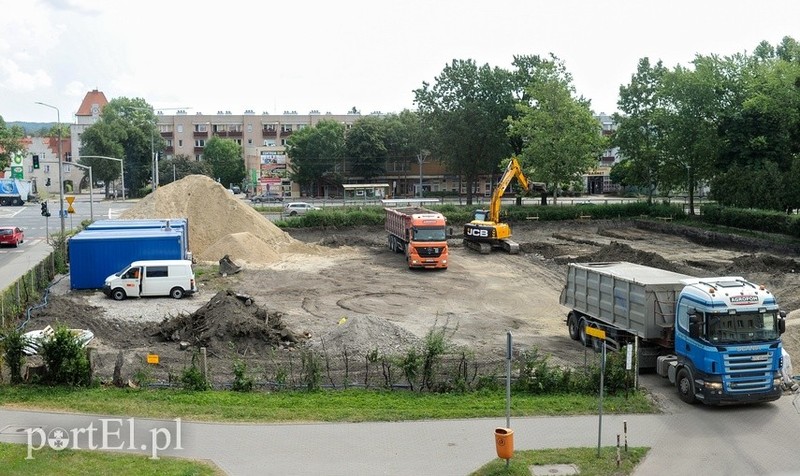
(22, 263)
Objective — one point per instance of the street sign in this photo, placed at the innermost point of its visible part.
(70, 200)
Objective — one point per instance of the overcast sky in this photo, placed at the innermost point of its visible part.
(330, 56)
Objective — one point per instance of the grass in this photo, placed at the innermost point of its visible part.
(80, 462)
(585, 459)
(296, 406)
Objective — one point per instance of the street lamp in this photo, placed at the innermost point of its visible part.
(121, 168)
(60, 176)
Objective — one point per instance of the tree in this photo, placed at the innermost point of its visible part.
(103, 139)
(180, 166)
(10, 143)
(562, 139)
(225, 158)
(638, 133)
(365, 147)
(131, 124)
(465, 112)
(315, 153)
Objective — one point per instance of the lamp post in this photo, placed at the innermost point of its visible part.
(60, 176)
(91, 192)
(121, 168)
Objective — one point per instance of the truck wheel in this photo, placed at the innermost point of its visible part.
(685, 384)
(572, 326)
(176, 293)
(585, 339)
(118, 294)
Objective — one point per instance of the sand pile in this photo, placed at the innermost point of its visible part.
(219, 223)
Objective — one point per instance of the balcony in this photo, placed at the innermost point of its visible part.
(286, 133)
(167, 135)
(200, 135)
(169, 149)
(269, 131)
(199, 150)
(228, 133)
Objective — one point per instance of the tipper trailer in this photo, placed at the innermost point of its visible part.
(717, 339)
(420, 234)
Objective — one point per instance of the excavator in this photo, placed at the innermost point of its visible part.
(485, 231)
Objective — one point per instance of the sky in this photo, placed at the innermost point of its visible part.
(332, 56)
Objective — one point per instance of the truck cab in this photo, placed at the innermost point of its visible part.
(727, 342)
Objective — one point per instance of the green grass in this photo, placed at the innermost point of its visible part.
(80, 462)
(294, 406)
(586, 460)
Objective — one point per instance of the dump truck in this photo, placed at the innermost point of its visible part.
(14, 191)
(419, 233)
(717, 339)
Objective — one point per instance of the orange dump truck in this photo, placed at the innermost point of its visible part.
(420, 234)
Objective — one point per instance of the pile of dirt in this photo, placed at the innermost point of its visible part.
(762, 263)
(231, 322)
(360, 334)
(214, 216)
(616, 251)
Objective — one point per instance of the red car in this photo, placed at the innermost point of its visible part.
(11, 235)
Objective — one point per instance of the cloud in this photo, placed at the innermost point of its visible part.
(12, 78)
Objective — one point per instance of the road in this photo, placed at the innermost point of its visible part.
(688, 440)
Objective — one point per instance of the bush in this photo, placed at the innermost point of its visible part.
(14, 342)
(193, 378)
(241, 381)
(65, 359)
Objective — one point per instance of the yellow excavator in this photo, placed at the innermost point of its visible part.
(485, 231)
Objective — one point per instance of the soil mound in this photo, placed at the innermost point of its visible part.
(214, 214)
(616, 251)
(240, 247)
(230, 320)
(360, 334)
(762, 263)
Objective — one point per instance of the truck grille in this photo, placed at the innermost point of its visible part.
(748, 372)
(429, 251)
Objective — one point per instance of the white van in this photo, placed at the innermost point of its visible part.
(173, 278)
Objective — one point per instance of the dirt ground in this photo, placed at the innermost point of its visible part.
(353, 292)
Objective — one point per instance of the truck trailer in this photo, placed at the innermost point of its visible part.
(419, 233)
(96, 254)
(717, 339)
(14, 191)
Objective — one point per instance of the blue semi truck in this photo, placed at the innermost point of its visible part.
(716, 339)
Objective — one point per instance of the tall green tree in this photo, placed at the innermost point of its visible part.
(365, 147)
(225, 158)
(465, 112)
(561, 138)
(638, 134)
(10, 143)
(315, 154)
(104, 139)
(130, 123)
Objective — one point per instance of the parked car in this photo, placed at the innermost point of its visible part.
(11, 235)
(267, 197)
(298, 208)
(236, 190)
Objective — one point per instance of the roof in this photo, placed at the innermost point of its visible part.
(92, 98)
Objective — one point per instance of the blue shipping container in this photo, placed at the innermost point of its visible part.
(181, 224)
(96, 254)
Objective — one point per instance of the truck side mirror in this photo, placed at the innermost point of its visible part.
(781, 325)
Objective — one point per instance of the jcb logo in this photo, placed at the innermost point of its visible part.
(478, 232)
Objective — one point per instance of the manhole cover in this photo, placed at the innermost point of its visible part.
(553, 469)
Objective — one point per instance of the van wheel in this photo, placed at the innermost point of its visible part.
(176, 293)
(118, 294)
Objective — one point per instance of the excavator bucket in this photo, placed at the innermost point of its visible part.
(227, 266)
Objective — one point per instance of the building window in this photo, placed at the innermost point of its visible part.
(198, 157)
(66, 168)
(269, 142)
(249, 141)
(201, 127)
(180, 128)
(286, 128)
(47, 169)
(168, 142)
(249, 128)
(283, 141)
(200, 143)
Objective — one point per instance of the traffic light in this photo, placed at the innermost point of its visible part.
(47, 183)
(45, 213)
(35, 161)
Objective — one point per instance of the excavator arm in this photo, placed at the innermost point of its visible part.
(513, 170)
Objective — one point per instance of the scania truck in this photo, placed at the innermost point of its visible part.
(716, 339)
(419, 233)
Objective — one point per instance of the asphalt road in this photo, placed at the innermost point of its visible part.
(691, 440)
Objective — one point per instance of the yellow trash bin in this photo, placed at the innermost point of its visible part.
(504, 442)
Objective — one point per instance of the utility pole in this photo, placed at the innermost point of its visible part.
(60, 173)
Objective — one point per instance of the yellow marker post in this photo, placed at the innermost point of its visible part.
(152, 359)
(599, 334)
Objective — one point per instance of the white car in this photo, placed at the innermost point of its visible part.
(298, 208)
